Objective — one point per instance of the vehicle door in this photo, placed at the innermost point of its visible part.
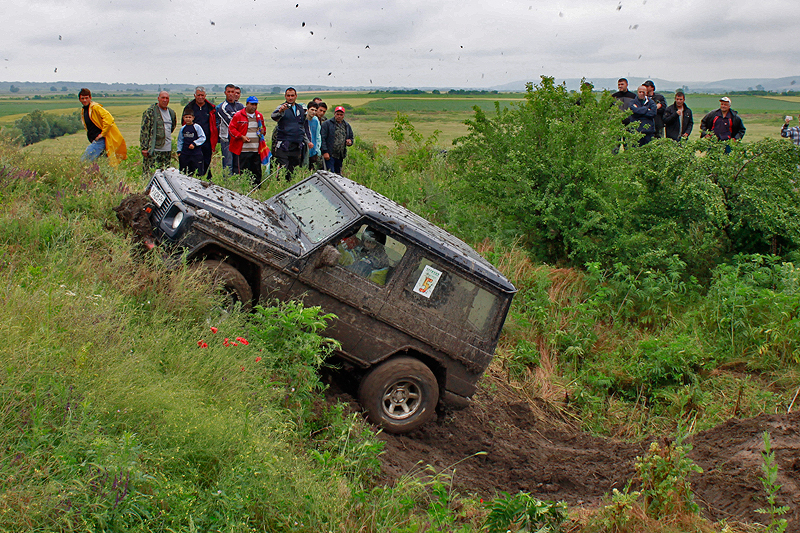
(357, 287)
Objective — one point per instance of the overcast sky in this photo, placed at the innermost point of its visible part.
(406, 43)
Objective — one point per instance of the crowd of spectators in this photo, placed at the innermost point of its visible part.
(302, 137)
(655, 119)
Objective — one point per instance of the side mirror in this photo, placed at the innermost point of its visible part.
(328, 257)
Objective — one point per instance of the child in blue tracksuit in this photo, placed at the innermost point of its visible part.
(190, 155)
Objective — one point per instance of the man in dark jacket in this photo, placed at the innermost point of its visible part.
(724, 123)
(337, 135)
(290, 136)
(624, 96)
(678, 120)
(661, 106)
(205, 116)
(644, 112)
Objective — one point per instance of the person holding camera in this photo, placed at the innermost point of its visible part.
(290, 132)
(791, 133)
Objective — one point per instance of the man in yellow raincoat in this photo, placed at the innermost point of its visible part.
(103, 133)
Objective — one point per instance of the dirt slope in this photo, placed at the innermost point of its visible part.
(526, 452)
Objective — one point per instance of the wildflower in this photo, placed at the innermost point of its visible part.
(242, 340)
(205, 345)
(234, 344)
(200, 343)
(258, 359)
(226, 342)
(213, 329)
(242, 369)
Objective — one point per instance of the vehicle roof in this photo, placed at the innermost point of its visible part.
(435, 239)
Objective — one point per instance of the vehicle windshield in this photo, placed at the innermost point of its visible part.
(317, 211)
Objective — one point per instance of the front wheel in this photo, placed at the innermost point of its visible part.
(231, 282)
(400, 395)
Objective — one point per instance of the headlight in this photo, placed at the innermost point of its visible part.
(177, 220)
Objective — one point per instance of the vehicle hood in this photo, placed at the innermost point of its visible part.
(250, 215)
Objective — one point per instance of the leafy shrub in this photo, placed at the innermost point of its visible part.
(664, 475)
(753, 310)
(526, 512)
(550, 171)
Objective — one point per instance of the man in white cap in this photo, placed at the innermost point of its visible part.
(724, 123)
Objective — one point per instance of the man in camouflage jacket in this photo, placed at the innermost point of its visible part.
(155, 137)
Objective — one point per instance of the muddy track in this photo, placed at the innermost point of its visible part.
(526, 451)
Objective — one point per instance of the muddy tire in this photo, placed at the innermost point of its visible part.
(400, 395)
(232, 283)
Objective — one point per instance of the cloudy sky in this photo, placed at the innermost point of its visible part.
(405, 43)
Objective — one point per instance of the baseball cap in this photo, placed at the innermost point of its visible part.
(649, 83)
(252, 100)
(725, 99)
(339, 108)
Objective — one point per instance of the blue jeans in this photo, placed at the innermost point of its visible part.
(94, 150)
(227, 156)
(334, 165)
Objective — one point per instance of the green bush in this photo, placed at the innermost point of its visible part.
(36, 126)
(552, 171)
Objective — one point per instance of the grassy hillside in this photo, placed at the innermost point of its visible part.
(128, 404)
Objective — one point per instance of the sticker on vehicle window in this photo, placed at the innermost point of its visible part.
(427, 281)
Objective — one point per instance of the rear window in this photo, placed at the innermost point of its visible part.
(456, 299)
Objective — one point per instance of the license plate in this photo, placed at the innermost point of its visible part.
(157, 196)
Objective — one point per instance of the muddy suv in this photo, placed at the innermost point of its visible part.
(418, 311)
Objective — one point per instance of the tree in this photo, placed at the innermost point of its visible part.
(53, 88)
(13, 88)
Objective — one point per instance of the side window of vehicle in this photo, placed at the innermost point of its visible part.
(370, 254)
(456, 299)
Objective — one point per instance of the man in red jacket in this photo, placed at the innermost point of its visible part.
(246, 133)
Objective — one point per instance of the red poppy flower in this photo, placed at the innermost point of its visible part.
(234, 344)
(258, 359)
(200, 342)
(242, 369)
(226, 342)
(242, 340)
(204, 345)
(213, 329)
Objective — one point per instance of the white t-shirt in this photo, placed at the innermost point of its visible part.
(167, 146)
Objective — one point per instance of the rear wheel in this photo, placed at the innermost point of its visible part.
(400, 395)
(231, 282)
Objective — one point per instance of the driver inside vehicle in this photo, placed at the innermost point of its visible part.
(366, 256)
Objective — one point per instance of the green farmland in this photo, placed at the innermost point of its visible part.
(372, 115)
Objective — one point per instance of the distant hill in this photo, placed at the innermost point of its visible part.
(790, 83)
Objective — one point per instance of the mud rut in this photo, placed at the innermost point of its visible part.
(527, 452)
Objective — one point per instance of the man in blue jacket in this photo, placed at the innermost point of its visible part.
(290, 132)
(644, 112)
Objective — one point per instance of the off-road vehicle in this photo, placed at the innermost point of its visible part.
(418, 311)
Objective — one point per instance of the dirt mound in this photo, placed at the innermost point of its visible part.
(730, 456)
(528, 449)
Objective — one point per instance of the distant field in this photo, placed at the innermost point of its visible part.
(373, 114)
